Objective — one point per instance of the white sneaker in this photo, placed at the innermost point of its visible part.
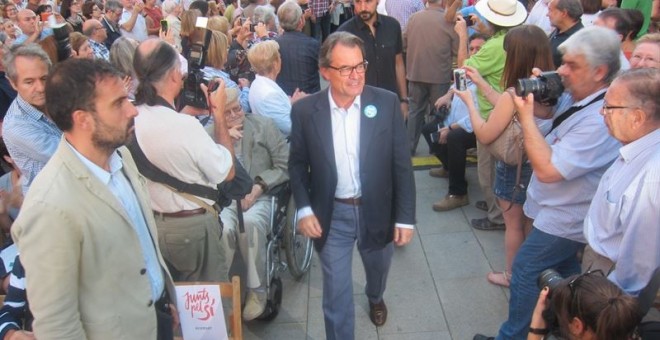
(255, 305)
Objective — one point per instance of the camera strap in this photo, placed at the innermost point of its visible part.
(572, 110)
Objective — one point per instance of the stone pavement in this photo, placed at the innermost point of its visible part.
(437, 286)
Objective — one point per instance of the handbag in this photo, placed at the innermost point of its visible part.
(508, 146)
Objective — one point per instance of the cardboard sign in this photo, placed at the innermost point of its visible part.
(201, 313)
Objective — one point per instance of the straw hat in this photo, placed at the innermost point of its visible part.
(505, 13)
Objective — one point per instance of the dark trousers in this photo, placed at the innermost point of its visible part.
(452, 155)
(164, 319)
(321, 29)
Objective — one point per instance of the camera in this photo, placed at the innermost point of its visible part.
(468, 20)
(546, 88)
(460, 79)
(192, 94)
(549, 278)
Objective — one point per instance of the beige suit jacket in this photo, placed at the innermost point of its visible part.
(82, 258)
(265, 152)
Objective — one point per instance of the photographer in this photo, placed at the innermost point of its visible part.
(188, 228)
(567, 164)
(585, 306)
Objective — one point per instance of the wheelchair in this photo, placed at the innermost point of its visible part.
(285, 248)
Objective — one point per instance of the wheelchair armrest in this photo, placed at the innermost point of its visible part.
(280, 190)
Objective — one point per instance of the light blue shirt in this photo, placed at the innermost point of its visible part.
(269, 100)
(582, 149)
(45, 33)
(623, 222)
(121, 188)
(459, 112)
(31, 138)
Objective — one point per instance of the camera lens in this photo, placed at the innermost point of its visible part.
(549, 278)
(527, 86)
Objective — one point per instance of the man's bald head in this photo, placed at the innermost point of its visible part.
(153, 62)
(25, 19)
(94, 30)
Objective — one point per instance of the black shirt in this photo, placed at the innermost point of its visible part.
(300, 63)
(7, 95)
(380, 50)
(113, 32)
(557, 38)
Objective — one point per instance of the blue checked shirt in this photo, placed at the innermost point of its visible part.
(31, 138)
(100, 51)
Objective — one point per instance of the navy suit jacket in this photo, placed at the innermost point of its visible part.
(386, 177)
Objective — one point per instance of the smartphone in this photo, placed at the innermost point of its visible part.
(163, 26)
(460, 79)
(201, 22)
(44, 16)
(468, 20)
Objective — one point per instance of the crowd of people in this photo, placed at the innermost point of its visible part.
(118, 117)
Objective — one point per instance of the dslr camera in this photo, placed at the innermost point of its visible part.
(546, 88)
(192, 94)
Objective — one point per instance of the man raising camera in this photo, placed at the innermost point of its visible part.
(568, 163)
(188, 227)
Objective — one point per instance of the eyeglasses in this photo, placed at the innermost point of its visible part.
(575, 298)
(235, 111)
(639, 58)
(346, 71)
(607, 109)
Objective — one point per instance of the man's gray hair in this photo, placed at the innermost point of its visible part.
(643, 84)
(599, 46)
(572, 7)
(265, 14)
(113, 5)
(334, 39)
(29, 50)
(289, 14)
(168, 7)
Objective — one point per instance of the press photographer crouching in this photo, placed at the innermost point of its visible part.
(581, 307)
(178, 145)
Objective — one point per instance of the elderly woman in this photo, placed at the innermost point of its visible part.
(121, 57)
(215, 63)
(647, 52)
(171, 11)
(80, 45)
(264, 153)
(153, 15)
(266, 97)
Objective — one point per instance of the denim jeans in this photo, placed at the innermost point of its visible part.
(539, 252)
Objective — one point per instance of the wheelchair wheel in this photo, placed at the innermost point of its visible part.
(298, 248)
(274, 301)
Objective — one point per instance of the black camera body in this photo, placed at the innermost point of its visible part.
(547, 88)
(61, 35)
(192, 94)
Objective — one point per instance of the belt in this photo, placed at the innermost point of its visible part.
(182, 213)
(349, 201)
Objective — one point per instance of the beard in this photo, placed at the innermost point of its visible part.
(108, 138)
(366, 16)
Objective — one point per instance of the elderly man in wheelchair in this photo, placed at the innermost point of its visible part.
(263, 152)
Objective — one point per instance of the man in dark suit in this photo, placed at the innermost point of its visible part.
(352, 179)
(299, 53)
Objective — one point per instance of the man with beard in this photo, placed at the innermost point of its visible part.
(30, 134)
(86, 232)
(383, 47)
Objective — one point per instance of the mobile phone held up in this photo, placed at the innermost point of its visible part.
(164, 26)
(460, 79)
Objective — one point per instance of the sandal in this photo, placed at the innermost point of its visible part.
(499, 278)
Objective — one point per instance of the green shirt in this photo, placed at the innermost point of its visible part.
(489, 61)
(644, 6)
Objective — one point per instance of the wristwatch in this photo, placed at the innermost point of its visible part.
(405, 100)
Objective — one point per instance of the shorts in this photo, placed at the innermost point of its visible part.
(505, 182)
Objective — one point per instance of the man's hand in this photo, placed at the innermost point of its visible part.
(19, 335)
(297, 94)
(175, 317)
(138, 7)
(460, 27)
(243, 83)
(309, 226)
(217, 99)
(236, 132)
(248, 201)
(402, 236)
(524, 106)
(404, 111)
(442, 137)
(444, 100)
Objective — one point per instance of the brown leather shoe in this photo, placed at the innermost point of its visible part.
(378, 313)
(439, 173)
(451, 202)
